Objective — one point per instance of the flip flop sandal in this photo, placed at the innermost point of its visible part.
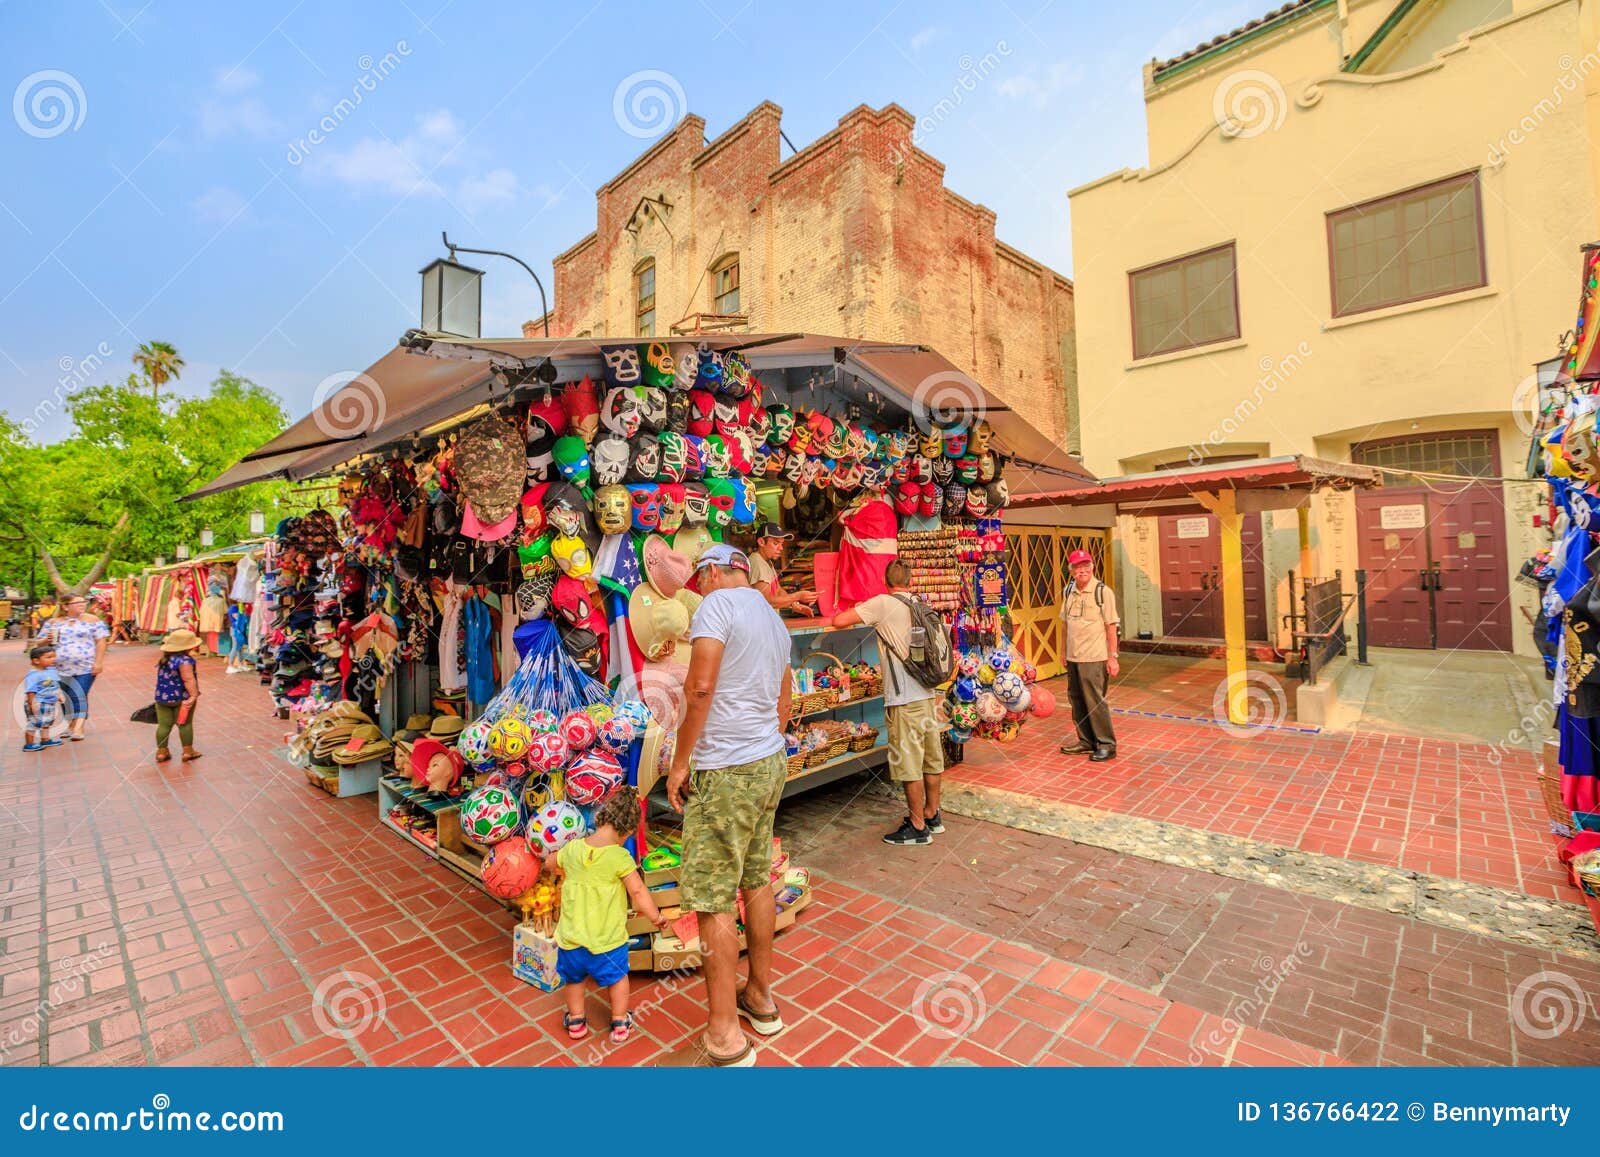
(76, 736)
(577, 1026)
(163, 757)
(764, 1023)
(190, 755)
(621, 1029)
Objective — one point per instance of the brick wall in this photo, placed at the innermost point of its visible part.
(855, 235)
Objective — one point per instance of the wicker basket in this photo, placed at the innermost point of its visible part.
(1550, 788)
(838, 747)
(797, 762)
(817, 756)
(864, 742)
(815, 701)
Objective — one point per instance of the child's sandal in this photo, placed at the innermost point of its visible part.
(577, 1026)
(621, 1029)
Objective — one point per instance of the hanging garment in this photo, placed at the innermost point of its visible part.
(478, 635)
(867, 547)
(452, 674)
(245, 581)
(1581, 639)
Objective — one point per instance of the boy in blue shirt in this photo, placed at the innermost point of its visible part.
(42, 688)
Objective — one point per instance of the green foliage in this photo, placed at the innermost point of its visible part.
(114, 481)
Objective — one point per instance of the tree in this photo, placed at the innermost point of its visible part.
(159, 362)
(103, 500)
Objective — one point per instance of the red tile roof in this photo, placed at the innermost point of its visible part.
(1243, 29)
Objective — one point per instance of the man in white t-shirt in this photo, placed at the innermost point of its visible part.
(916, 756)
(732, 733)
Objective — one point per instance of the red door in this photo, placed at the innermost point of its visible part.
(1191, 576)
(1392, 537)
(1471, 590)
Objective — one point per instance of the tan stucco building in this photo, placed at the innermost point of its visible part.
(1357, 232)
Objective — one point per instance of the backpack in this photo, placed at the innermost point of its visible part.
(938, 652)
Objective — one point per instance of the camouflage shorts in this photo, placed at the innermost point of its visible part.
(727, 832)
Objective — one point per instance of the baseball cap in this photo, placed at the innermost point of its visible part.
(1078, 556)
(721, 554)
(773, 530)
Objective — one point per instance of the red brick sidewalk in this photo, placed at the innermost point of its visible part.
(226, 913)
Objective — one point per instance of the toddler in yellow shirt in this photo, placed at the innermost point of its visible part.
(598, 881)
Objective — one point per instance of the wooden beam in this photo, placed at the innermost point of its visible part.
(1261, 501)
(1303, 527)
(1233, 629)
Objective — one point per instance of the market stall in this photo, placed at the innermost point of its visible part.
(484, 625)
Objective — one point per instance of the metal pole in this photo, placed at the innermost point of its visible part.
(1361, 620)
(543, 303)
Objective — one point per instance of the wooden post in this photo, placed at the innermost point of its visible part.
(1302, 515)
(1225, 507)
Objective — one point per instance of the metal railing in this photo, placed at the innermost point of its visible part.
(1326, 607)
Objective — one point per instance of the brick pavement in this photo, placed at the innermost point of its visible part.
(193, 914)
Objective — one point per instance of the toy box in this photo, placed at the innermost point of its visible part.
(533, 958)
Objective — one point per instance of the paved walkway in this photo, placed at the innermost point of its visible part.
(226, 913)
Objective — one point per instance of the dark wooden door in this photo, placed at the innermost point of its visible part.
(1191, 576)
(1471, 589)
(1393, 548)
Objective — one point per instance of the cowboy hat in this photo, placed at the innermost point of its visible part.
(446, 727)
(179, 641)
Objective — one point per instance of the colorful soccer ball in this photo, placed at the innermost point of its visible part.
(473, 744)
(990, 709)
(960, 735)
(1009, 730)
(1041, 701)
(1009, 688)
(548, 752)
(966, 688)
(636, 713)
(489, 815)
(616, 734)
(1030, 673)
(599, 712)
(964, 716)
(969, 664)
(985, 674)
(518, 710)
(554, 826)
(593, 778)
(510, 869)
(542, 720)
(580, 730)
(509, 738)
(1000, 660)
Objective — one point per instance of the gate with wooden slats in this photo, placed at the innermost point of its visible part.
(1036, 564)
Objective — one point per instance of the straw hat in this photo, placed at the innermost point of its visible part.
(179, 641)
(365, 742)
(656, 620)
(666, 569)
(692, 542)
(446, 727)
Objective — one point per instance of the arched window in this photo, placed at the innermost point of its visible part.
(644, 284)
(725, 285)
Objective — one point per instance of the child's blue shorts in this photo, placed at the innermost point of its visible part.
(577, 964)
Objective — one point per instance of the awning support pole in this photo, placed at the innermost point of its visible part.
(1224, 505)
(1302, 516)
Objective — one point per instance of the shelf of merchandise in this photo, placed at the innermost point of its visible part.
(395, 788)
(852, 644)
(853, 702)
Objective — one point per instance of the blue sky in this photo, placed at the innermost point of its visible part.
(162, 184)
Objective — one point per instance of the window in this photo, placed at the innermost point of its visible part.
(1406, 247)
(1191, 301)
(644, 279)
(1469, 452)
(725, 285)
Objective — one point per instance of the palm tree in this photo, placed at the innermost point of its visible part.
(160, 362)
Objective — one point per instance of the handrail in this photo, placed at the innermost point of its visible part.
(1349, 600)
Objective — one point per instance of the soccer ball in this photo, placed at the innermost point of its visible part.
(969, 664)
(1000, 660)
(1042, 701)
(616, 734)
(580, 730)
(510, 869)
(509, 738)
(1009, 688)
(593, 778)
(636, 713)
(548, 752)
(986, 674)
(554, 826)
(489, 815)
(990, 709)
(966, 688)
(964, 717)
(473, 743)
(542, 720)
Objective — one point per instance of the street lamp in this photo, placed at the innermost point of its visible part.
(544, 304)
(452, 298)
(258, 522)
(161, 561)
(206, 537)
(183, 551)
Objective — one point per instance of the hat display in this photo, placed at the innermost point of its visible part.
(446, 727)
(366, 742)
(656, 620)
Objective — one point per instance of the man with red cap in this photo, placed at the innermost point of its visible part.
(1089, 612)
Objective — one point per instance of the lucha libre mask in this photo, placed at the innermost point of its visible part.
(967, 471)
(780, 420)
(652, 409)
(800, 438)
(928, 504)
(622, 411)
(702, 413)
(821, 427)
(696, 504)
(710, 376)
(644, 461)
(794, 467)
(622, 365)
(955, 443)
(646, 505)
(986, 468)
(725, 416)
(955, 500)
(907, 497)
(930, 445)
(574, 604)
(874, 476)
(694, 463)
(533, 596)
(978, 443)
(572, 556)
(678, 412)
(672, 507)
(612, 509)
(735, 374)
(847, 475)
(903, 471)
(894, 445)
(685, 367)
(856, 442)
(977, 502)
(943, 471)
(582, 407)
(999, 495)
(837, 443)
(565, 520)
(773, 459)
(718, 460)
(659, 370)
(818, 471)
(673, 456)
(741, 452)
(753, 418)
(921, 470)
(572, 460)
(722, 501)
(608, 460)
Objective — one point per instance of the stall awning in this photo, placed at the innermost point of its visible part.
(1275, 483)
(428, 379)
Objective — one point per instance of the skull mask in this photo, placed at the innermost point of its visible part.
(622, 365)
(672, 507)
(645, 460)
(781, 422)
(674, 457)
(646, 505)
(718, 460)
(612, 508)
(696, 504)
(622, 412)
(609, 460)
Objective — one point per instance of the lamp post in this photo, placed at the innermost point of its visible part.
(182, 552)
(452, 298)
(544, 304)
(206, 537)
(258, 522)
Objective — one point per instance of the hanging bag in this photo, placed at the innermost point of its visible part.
(145, 714)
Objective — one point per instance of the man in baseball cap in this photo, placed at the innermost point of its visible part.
(1089, 611)
(764, 575)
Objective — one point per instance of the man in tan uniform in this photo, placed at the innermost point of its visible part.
(1089, 610)
(764, 577)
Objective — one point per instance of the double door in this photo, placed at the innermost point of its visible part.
(1191, 576)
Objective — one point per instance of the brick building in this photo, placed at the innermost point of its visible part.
(854, 235)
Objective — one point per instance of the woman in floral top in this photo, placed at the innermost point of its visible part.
(177, 691)
(80, 640)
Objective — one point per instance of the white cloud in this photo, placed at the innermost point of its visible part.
(219, 205)
(409, 165)
(1040, 88)
(494, 187)
(228, 113)
(927, 36)
(233, 81)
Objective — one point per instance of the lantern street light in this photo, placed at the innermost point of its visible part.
(161, 560)
(183, 551)
(544, 304)
(452, 298)
(258, 522)
(206, 537)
